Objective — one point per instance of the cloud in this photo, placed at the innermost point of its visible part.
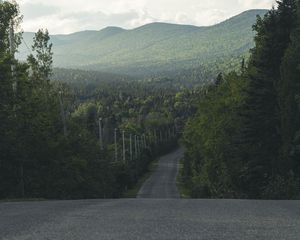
(211, 16)
(36, 10)
(88, 20)
(143, 17)
(83, 20)
(257, 3)
(65, 16)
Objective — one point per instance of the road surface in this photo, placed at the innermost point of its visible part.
(151, 219)
(135, 219)
(162, 183)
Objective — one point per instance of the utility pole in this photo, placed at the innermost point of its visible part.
(62, 112)
(139, 145)
(130, 147)
(12, 53)
(135, 146)
(175, 129)
(116, 146)
(100, 134)
(124, 149)
(144, 140)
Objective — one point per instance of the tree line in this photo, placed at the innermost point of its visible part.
(244, 141)
(63, 141)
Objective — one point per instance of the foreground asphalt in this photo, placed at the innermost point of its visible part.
(150, 218)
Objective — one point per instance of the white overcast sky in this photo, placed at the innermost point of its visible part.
(66, 16)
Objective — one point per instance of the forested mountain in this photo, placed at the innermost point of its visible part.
(86, 79)
(68, 133)
(62, 140)
(75, 133)
(89, 80)
(154, 48)
(244, 141)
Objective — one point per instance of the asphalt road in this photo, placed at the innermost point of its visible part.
(162, 183)
(135, 219)
(132, 219)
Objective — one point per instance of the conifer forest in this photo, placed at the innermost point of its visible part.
(80, 133)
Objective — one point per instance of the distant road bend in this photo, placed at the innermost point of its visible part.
(157, 214)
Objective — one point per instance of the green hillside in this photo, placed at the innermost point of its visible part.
(155, 47)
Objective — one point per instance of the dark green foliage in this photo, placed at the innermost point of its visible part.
(289, 98)
(244, 140)
(8, 13)
(41, 64)
(261, 133)
(39, 159)
(89, 80)
(210, 169)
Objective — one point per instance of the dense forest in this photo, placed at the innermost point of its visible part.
(67, 133)
(63, 140)
(244, 141)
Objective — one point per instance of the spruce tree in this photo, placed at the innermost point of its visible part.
(261, 136)
(290, 102)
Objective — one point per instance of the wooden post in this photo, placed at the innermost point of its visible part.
(155, 137)
(138, 145)
(12, 52)
(135, 146)
(130, 147)
(145, 141)
(62, 112)
(116, 145)
(100, 134)
(124, 148)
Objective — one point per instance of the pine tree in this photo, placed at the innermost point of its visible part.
(261, 132)
(289, 102)
(41, 64)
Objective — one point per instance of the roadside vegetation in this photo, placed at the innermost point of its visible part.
(244, 141)
(70, 134)
(63, 141)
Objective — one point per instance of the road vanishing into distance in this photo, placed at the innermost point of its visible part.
(157, 213)
(162, 183)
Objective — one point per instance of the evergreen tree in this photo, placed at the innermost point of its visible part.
(261, 132)
(10, 164)
(289, 103)
(254, 150)
(41, 64)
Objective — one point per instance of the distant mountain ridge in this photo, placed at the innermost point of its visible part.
(152, 48)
